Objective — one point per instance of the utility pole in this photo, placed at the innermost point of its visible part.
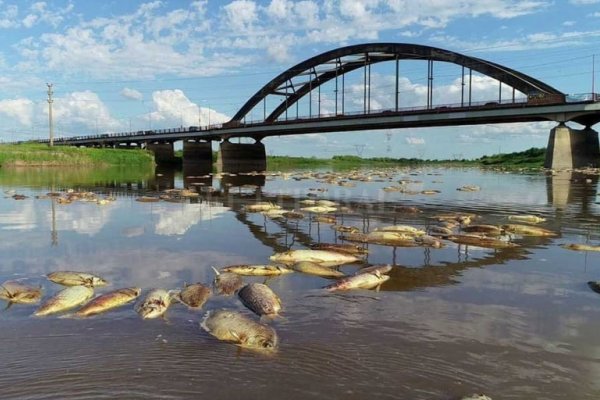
(50, 101)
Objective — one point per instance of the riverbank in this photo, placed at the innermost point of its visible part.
(531, 159)
(40, 155)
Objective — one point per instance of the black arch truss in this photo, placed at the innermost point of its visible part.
(335, 63)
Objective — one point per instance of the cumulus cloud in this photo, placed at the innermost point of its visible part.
(172, 107)
(19, 109)
(83, 109)
(131, 94)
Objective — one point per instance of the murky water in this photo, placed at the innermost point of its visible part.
(517, 323)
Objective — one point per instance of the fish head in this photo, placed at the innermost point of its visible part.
(95, 281)
(262, 342)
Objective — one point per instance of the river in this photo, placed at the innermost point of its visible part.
(515, 323)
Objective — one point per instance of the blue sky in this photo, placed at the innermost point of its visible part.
(157, 64)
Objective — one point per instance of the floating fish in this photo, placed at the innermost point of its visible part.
(261, 206)
(440, 231)
(595, 286)
(373, 269)
(66, 299)
(481, 241)
(401, 228)
(108, 301)
(194, 295)
(312, 268)
(327, 219)
(581, 247)
(74, 278)
(532, 219)
(17, 292)
(398, 239)
(469, 188)
(319, 209)
(367, 280)
(487, 229)
(345, 228)
(340, 248)
(323, 257)
(227, 283)
(429, 241)
(148, 199)
(257, 270)
(155, 304)
(527, 230)
(260, 299)
(231, 326)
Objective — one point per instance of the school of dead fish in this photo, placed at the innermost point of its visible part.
(321, 259)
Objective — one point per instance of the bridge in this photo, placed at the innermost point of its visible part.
(290, 104)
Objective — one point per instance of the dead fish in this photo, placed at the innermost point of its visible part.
(366, 280)
(481, 241)
(231, 326)
(398, 239)
(381, 269)
(429, 241)
(340, 247)
(155, 304)
(327, 219)
(261, 206)
(487, 229)
(326, 203)
(401, 228)
(274, 213)
(312, 268)
(148, 199)
(430, 191)
(74, 278)
(527, 230)
(260, 299)
(440, 230)
(323, 257)
(581, 247)
(469, 188)
(293, 215)
(595, 286)
(17, 292)
(532, 219)
(319, 209)
(66, 299)
(257, 270)
(108, 301)
(227, 283)
(345, 228)
(194, 295)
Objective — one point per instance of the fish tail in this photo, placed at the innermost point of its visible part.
(203, 322)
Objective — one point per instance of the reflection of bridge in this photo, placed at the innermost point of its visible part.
(287, 105)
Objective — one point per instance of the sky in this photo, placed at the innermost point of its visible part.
(137, 65)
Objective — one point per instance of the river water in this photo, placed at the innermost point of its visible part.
(516, 323)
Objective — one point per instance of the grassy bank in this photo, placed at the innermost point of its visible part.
(528, 159)
(32, 155)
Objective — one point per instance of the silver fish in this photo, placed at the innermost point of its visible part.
(194, 295)
(108, 301)
(155, 304)
(75, 278)
(366, 280)
(66, 299)
(260, 299)
(232, 326)
(227, 283)
(17, 292)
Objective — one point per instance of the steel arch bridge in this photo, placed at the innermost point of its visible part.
(334, 64)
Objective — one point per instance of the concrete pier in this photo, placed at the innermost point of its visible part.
(198, 154)
(572, 148)
(163, 152)
(241, 157)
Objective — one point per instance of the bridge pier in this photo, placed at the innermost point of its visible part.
(198, 153)
(572, 148)
(241, 157)
(163, 152)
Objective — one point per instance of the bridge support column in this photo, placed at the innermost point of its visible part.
(196, 152)
(163, 152)
(572, 148)
(241, 157)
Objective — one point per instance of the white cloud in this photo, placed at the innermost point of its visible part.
(83, 109)
(131, 94)
(172, 107)
(240, 15)
(19, 109)
(413, 140)
(584, 2)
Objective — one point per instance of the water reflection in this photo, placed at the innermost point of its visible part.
(569, 187)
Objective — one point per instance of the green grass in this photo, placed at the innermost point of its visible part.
(32, 154)
(528, 159)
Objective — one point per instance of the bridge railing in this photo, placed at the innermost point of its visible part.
(438, 108)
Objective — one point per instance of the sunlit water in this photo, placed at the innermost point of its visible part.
(514, 324)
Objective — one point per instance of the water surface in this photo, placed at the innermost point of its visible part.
(518, 323)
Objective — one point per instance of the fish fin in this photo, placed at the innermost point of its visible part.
(216, 270)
